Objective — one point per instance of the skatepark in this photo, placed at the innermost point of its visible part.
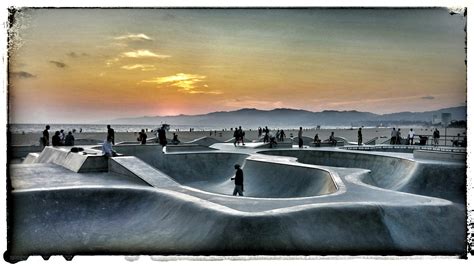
(298, 201)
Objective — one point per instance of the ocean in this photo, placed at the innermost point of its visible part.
(92, 128)
(31, 128)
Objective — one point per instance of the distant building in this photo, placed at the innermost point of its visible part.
(436, 120)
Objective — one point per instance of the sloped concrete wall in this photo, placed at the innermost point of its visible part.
(446, 181)
(155, 221)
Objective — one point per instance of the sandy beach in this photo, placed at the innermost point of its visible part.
(351, 135)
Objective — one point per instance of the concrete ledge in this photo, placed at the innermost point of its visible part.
(186, 147)
(440, 155)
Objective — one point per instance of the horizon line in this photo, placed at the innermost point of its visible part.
(265, 110)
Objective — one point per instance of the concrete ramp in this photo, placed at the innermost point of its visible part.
(436, 179)
(32, 157)
(104, 220)
(264, 176)
(132, 166)
(261, 145)
(285, 178)
(204, 141)
(80, 162)
(186, 148)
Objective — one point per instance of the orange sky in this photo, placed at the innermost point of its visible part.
(86, 65)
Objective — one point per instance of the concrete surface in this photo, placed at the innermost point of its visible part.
(440, 155)
(204, 141)
(311, 201)
(87, 161)
(186, 147)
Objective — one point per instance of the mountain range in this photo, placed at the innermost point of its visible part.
(290, 118)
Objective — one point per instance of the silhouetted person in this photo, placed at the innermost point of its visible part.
(259, 132)
(398, 137)
(332, 139)
(393, 136)
(142, 137)
(107, 148)
(236, 136)
(300, 138)
(45, 138)
(62, 136)
(56, 139)
(282, 135)
(69, 140)
(317, 141)
(411, 136)
(162, 136)
(241, 135)
(272, 140)
(436, 137)
(175, 140)
(239, 181)
(111, 134)
(359, 136)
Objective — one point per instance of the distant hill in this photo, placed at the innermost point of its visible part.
(291, 118)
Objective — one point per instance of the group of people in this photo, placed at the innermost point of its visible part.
(268, 137)
(239, 135)
(396, 137)
(58, 139)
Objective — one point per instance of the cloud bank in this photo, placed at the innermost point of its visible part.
(186, 82)
(58, 64)
(143, 54)
(22, 75)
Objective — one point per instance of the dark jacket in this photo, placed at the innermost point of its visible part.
(45, 137)
(69, 141)
(56, 140)
(111, 135)
(239, 177)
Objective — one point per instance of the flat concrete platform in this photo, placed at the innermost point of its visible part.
(309, 201)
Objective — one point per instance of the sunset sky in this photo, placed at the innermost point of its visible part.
(87, 65)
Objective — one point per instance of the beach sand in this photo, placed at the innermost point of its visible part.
(184, 136)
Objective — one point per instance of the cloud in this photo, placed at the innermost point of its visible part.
(134, 37)
(429, 97)
(58, 64)
(186, 82)
(248, 102)
(76, 55)
(22, 75)
(142, 67)
(143, 54)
